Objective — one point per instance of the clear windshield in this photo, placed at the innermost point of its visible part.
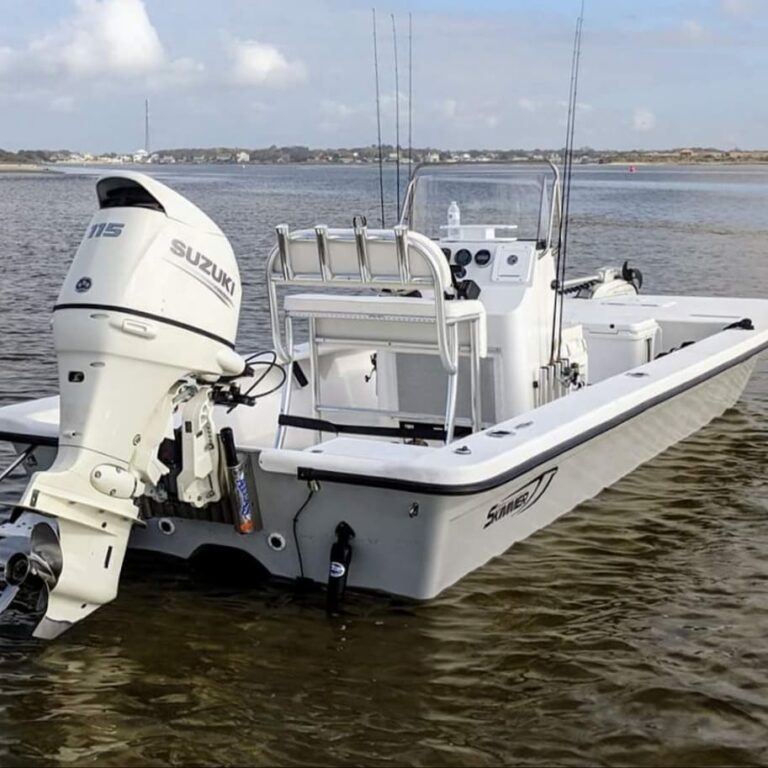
(479, 202)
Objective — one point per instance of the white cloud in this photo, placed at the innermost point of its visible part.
(737, 7)
(337, 114)
(527, 105)
(6, 58)
(179, 72)
(109, 37)
(62, 104)
(643, 120)
(102, 40)
(255, 63)
(691, 31)
(448, 108)
(581, 106)
(337, 109)
(686, 32)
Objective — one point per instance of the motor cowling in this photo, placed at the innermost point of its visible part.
(145, 322)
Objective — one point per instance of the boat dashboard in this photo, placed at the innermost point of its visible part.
(487, 262)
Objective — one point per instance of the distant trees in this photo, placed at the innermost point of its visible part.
(370, 154)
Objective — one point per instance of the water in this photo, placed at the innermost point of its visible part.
(632, 632)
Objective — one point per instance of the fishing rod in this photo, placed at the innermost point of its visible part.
(378, 118)
(562, 244)
(410, 97)
(397, 116)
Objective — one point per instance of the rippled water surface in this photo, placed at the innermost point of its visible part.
(634, 631)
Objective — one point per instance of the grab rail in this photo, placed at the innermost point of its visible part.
(404, 243)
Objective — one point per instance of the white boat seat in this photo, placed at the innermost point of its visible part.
(382, 311)
(372, 262)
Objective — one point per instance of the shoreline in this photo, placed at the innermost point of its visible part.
(24, 168)
(91, 166)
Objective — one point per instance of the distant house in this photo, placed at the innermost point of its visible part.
(140, 156)
(242, 157)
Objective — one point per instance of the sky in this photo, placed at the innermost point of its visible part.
(486, 73)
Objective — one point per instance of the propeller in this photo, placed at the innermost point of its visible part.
(29, 548)
(632, 275)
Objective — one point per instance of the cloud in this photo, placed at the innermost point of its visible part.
(6, 58)
(691, 31)
(581, 106)
(527, 105)
(737, 7)
(337, 114)
(643, 120)
(255, 63)
(448, 108)
(179, 72)
(102, 40)
(62, 104)
(337, 109)
(686, 32)
(110, 37)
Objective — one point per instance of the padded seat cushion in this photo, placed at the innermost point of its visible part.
(387, 309)
(396, 307)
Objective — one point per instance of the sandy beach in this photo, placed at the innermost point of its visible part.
(23, 168)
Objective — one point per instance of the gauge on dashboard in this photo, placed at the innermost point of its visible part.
(462, 258)
(483, 258)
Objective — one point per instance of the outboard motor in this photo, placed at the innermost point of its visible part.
(144, 326)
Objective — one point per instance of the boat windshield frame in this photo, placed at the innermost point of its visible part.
(551, 191)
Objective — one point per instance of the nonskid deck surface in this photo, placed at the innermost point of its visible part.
(697, 310)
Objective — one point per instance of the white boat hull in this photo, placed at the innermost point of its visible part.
(415, 543)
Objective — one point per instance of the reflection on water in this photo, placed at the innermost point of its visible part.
(632, 632)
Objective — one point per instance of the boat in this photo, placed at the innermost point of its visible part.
(430, 394)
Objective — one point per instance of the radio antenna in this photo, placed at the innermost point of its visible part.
(562, 244)
(397, 116)
(378, 118)
(410, 96)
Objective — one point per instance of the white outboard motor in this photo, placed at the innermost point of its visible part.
(144, 325)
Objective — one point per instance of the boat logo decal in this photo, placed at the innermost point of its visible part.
(106, 229)
(522, 499)
(196, 264)
(83, 284)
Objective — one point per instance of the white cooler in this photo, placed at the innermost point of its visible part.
(618, 347)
